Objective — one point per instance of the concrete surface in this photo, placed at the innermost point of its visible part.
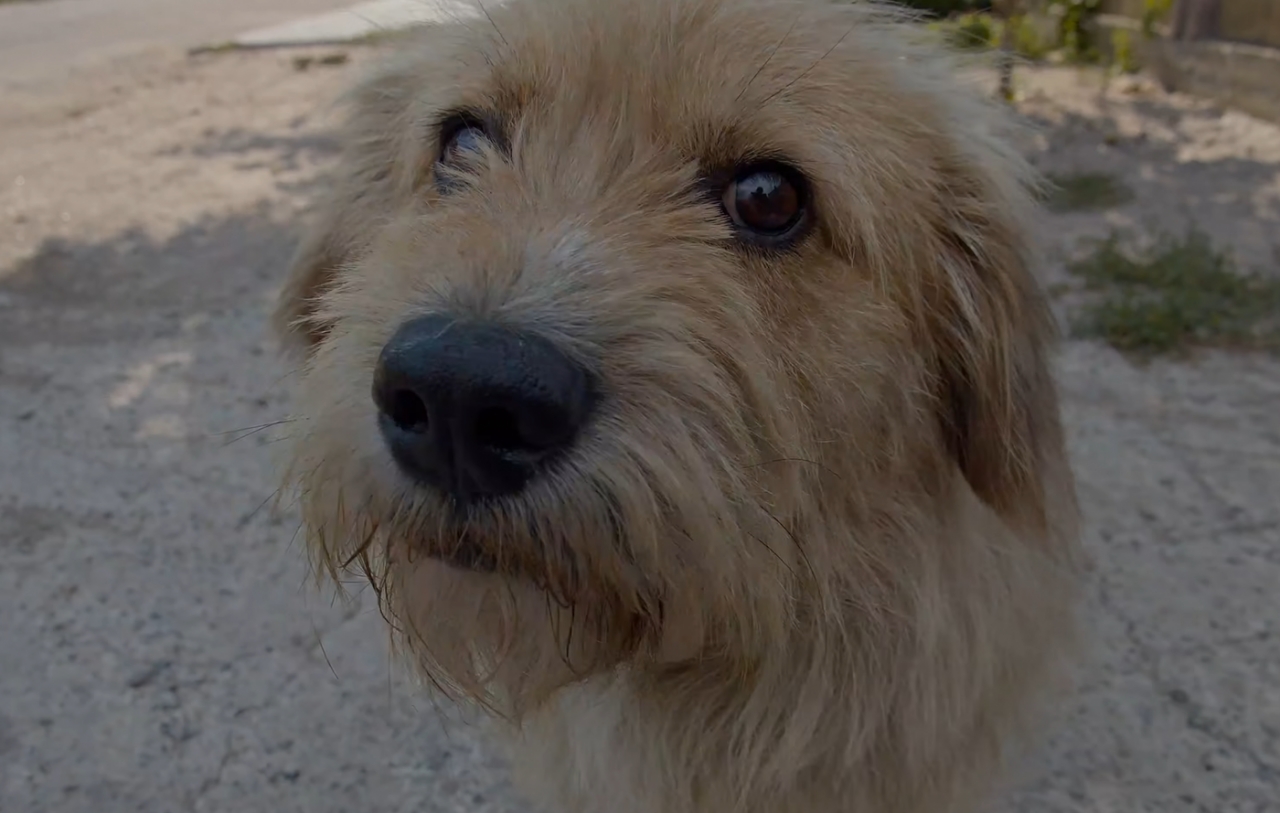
(41, 41)
(160, 649)
(355, 23)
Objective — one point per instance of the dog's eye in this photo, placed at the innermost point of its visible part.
(768, 201)
(464, 141)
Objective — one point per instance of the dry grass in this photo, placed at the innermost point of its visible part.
(1086, 192)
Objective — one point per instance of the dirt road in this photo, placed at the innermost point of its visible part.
(160, 649)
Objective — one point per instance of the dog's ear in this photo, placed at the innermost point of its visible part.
(374, 170)
(991, 331)
(313, 268)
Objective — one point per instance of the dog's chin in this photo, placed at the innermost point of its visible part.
(473, 548)
(522, 559)
(460, 538)
(468, 555)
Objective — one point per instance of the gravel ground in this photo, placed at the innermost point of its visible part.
(161, 649)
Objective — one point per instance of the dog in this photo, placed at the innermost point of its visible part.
(676, 373)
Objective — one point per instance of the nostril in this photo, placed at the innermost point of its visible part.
(407, 411)
(499, 428)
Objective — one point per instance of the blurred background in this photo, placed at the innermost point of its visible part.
(160, 646)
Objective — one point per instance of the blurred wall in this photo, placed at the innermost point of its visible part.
(1255, 21)
(1252, 21)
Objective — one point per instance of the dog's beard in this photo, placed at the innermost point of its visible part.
(503, 640)
(499, 603)
(504, 603)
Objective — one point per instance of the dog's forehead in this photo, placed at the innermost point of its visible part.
(728, 76)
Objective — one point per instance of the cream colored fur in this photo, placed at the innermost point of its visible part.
(818, 552)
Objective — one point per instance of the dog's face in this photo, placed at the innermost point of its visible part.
(648, 331)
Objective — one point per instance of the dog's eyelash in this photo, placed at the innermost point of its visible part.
(448, 124)
(449, 170)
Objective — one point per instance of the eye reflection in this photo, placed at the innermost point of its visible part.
(764, 201)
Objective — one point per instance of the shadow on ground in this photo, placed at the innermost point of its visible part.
(257, 150)
(175, 656)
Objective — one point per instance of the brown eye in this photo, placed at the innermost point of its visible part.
(768, 201)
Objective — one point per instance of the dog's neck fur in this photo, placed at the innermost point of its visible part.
(831, 724)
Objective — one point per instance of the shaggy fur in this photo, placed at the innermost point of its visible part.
(816, 551)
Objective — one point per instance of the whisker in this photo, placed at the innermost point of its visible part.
(568, 639)
(289, 373)
(776, 555)
(244, 521)
(492, 23)
(791, 460)
(794, 541)
(767, 60)
(323, 653)
(280, 439)
(809, 69)
(247, 431)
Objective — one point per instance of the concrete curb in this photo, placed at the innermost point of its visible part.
(358, 23)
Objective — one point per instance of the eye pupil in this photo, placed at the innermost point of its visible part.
(764, 201)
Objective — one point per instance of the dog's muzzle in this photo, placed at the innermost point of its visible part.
(476, 410)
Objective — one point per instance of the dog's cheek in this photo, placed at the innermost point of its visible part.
(683, 635)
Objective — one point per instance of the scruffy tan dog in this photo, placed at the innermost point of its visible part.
(677, 375)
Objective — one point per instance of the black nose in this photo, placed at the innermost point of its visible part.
(475, 409)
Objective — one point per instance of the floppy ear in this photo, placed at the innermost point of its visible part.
(314, 267)
(991, 331)
(374, 171)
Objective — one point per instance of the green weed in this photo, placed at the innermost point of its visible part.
(1180, 293)
(1085, 192)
